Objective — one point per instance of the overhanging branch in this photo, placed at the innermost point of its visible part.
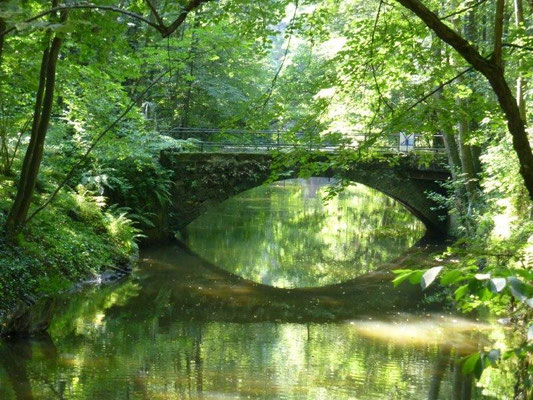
(159, 26)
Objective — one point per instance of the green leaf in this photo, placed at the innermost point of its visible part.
(404, 274)
(429, 276)
(496, 285)
(460, 292)
(519, 289)
(451, 277)
(415, 276)
(470, 363)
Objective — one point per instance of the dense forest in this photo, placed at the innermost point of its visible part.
(92, 93)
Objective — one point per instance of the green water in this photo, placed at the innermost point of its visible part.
(184, 328)
(284, 235)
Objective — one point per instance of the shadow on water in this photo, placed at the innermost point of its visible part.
(205, 291)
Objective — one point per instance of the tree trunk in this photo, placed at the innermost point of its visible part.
(476, 159)
(48, 102)
(450, 144)
(2, 38)
(452, 152)
(465, 153)
(463, 131)
(520, 81)
(472, 33)
(13, 219)
(494, 73)
(192, 53)
(32, 159)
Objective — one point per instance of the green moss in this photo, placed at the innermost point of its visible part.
(76, 237)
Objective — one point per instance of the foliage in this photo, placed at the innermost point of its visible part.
(322, 72)
(72, 240)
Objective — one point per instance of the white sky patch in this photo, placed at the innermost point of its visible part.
(325, 93)
(302, 9)
(332, 46)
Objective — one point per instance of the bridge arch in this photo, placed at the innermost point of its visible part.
(202, 180)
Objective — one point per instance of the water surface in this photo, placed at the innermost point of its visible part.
(285, 235)
(184, 328)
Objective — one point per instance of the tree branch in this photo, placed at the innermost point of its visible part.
(89, 7)
(21, 133)
(494, 73)
(449, 36)
(372, 66)
(155, 13)
(285, 54)
(446, 83)
(517, 46)
(462, 10)
(160, 26)
(186, 10)
(498, 33)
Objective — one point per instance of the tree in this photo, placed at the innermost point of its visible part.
(492, 69)
(45, 98)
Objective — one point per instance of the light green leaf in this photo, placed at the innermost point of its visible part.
(451, 277)
(405, 274)
(496, 285)
(470, 363)
(460, 292)
(429, 276)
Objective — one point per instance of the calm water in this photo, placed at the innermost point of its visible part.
(284, 235)
(183, 328)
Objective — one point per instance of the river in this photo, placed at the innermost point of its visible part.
(275, 294)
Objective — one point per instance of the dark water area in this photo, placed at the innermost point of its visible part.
(277, 297)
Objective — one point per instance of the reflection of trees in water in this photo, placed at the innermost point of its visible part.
(286, 236)
(461, 384)
(17, 359)
(187, 359)
(134, 340)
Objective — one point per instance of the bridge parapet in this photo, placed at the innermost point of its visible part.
(250, 141)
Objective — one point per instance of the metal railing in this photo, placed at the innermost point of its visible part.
(241, 140)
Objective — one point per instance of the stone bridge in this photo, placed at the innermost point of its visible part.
(202, 180)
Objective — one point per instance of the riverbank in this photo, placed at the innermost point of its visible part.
(76, 239)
